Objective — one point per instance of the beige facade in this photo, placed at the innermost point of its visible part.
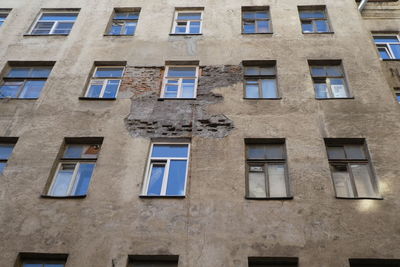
(214, 225)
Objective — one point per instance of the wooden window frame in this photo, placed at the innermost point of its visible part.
(257, 9)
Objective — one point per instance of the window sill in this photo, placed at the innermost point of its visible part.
(162, 99)
(390, 59)
(33, 35)
(119, 35)
(277, 98)
(360, 198)
(317, 33)
(269, 198)
(145, 196)
(63, 197)
(336, 98)
(185, 34)
(15, 98)
(257, 33)
(96, 98)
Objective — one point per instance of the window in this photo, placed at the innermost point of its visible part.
(374, 262)
(153, 261)
(24, 82)
(59, 23)
(256, 20)
(272, 262)
(314, 19)
(351, 170)
(3, 15)
(397, 93)
(105, 82)
(124, 23)
(41, 260)
(388, 46)
(167, 170)
(188, 22)
(75, 168)
(6, 148)
(267, 175)
(329, 81)
(180, 82)
(260, 81)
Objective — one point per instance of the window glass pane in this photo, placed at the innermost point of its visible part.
(334, 71)
(43, 28)
(126, 15)
(40, 72)
(362, 180)
(341, 180)
(312, 14)
(269, 89)
(177, 151)
(256, 152)
(398, 97)
(257, 182)
(176, 178)
(6, 150)
(109, 72)
(249, 15)
(188, 88)
(156, 178)
(63, 28)
(355, 151)
(267, 71)
(321, 90)
(274, 151)
(116, 28)
(336, 152)
(195, 27)
(251, 71)
(32, 89)
(307, 26)
(249, 27)
(262, 15)
(83, 178)
(262, 26)
(322, 26)
(59, 16)
(63, 180)
(386, 39)
(252, 89)
(277, 180)
(383, 53)
(318, 71)
(111, 89)
(32, 265)
(189, 16)
(19, 73)
(396, 51)
(338, 88)
(73, 151)
(2, 167)
(10, 89)
(90, 151)
(130, 28)
(171, 91)
(54, 265)
(182, 72)
(180, 28)
(95, 88)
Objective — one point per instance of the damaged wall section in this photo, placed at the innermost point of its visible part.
(151, 116)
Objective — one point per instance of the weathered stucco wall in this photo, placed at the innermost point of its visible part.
(214, 225)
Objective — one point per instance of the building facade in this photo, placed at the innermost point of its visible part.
(199, 133)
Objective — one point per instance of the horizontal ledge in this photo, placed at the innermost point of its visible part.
(119, 35)
(185, 34)
(360, 198)
(172, 197)
(277, 98)
(317, 33)
(390, 59)
(269, 198)
(162, 99)
(63, 197)
(257, 33)
(15, 98)
(46, 34)
(335, 98)
(96, 98)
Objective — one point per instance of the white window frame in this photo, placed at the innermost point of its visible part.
(124, 21)
(56, 22)
(188, 22)
(180, 79)
(73, 183)
(105, 80)
(386, 45)
(151, 160)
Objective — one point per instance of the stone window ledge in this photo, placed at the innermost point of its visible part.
(269, 198)
(97, 98)
(171, 197)
(63, 197)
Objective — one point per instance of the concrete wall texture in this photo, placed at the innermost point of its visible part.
(214, 225)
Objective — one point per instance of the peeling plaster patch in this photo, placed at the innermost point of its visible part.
(152, 117)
